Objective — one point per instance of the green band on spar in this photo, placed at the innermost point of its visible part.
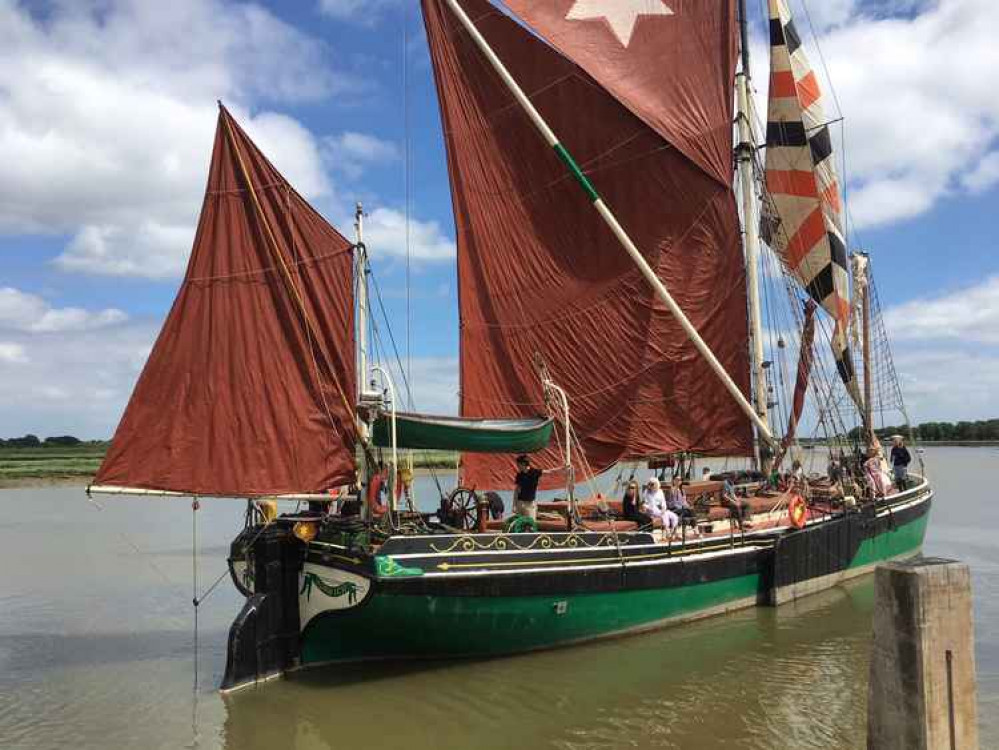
(581, 178)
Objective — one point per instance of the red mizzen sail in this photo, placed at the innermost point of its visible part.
(249, 388)
(542, 278)
(805, 357)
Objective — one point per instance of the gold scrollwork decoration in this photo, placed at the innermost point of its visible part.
(503, 542)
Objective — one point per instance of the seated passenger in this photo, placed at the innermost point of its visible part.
(629, 506)
(677, 503)
(654, 504)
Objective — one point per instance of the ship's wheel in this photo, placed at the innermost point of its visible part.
(461, 507)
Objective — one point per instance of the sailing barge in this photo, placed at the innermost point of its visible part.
(610, 312)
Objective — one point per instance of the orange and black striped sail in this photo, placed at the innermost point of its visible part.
(803, 220)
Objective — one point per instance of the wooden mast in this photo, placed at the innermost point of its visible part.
(745, 153)
(868, 388)
(611, 221)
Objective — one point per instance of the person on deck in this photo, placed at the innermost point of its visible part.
(875, 475)
(630, 509)
(900, 460)
(676, 502)
(738, 508)
(654, 504)
(525, 489)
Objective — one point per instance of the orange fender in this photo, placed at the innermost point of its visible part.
(797, 511)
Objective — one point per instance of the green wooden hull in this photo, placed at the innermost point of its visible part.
(393, 624)
(400, 626)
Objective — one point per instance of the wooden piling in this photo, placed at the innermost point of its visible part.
(922, 680)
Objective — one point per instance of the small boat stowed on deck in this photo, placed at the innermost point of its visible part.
(610, 313)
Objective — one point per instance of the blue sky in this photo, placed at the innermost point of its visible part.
(106, 123)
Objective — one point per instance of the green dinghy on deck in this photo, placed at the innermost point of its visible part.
(456, 433)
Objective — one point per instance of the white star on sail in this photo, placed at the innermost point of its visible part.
(622, 15)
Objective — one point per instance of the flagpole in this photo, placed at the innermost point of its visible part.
(608, 216)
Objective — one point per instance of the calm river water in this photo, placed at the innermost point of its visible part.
(97, 651)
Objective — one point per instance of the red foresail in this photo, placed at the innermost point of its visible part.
(801, 382)
(249, 388)
(542, 279)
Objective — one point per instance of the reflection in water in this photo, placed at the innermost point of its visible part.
(758, 679)
(96, 651)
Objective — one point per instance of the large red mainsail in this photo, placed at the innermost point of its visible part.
(541, 277)
(249, 388)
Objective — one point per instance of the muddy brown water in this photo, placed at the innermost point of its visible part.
(97, 651)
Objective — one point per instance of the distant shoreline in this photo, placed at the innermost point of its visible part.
(37, 476)
(82, 480)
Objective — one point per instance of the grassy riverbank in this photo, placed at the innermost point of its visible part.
(49, 464)
(77, 464)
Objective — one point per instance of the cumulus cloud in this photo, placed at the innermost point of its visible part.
(68, 382)
(352, 153)
(107, 113)
(947, 352)
(984, 176)
(949, 385)
(385, 234)
(20, 311)
(366, 12)
(12, 353)
(968, 315)
(920, 111)
(434, 382)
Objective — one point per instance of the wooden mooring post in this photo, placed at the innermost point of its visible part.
(922, 682)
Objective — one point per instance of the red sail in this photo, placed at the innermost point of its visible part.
(671, 62)
(249, 388)
(805, 356)
(542, 278)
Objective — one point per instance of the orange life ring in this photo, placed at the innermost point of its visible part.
(797, 511)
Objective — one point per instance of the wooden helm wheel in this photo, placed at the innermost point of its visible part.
(462, 506)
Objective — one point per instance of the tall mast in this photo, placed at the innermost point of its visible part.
(745, 152)
(362, 300)
(610, 220)
(868, 388)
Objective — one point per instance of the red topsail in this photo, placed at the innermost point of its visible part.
(543, 279)
(249, 388)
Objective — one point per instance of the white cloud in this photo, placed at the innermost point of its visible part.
(72, 382)
(920, 108)
(968, 315)
(107, 112)
(351, 153)
(946, 355)
(949, 385)
(984, 176)
(434, 382)
(385, 233)
(12, 353)
(366, 12)
(20, 311)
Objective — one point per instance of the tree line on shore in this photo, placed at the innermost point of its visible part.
(985, 429)
(55, 441)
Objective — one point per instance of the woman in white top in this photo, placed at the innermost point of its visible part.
(654, 503)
